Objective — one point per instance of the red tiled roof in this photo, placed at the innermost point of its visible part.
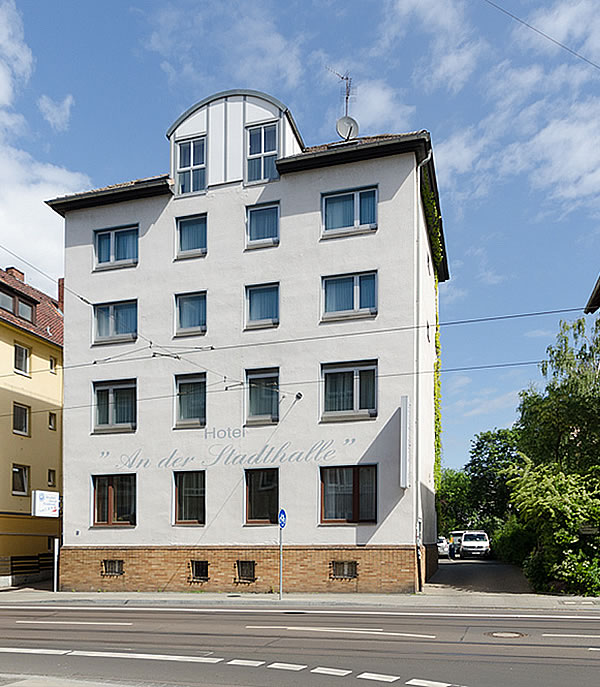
(48, 318)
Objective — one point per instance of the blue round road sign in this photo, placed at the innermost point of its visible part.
(282, 518)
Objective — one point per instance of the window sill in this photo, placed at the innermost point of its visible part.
(190, 194)
(187, 255)
(23, 373)
(367, 313)
(190, 524)
(190, 424)
(112, 526)
(192, 331)
(348, 231)
(348, 416)
(262, 324)
(122, 338)
(262, 243)
(117, 265)
(21, 434)
(259, 182)
(261, 421)
(345, 523)
(20, 493)
(260, 523)
(115, 429)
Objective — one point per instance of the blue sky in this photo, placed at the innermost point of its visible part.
(88, 89)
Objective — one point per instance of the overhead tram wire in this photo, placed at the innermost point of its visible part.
(544, 35)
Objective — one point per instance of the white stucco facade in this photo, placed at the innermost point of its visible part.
(397, 337)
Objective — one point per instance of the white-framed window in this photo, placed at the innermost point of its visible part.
(52, 362)
(20, 480)
(191, 236)
(262, 305)
(263, 396)
(262, 225)
(262, 152)
(191, 400)
(191, 165)
(21, 416)
(22, 355)
(115, 322)
(350, 295)
(190, 313)
(349, 390)
(115, 406)
(52, 420)
(116, 247)
(350, 211)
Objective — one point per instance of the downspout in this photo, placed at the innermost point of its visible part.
(418, 519)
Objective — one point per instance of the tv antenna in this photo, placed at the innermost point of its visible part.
(346, 126)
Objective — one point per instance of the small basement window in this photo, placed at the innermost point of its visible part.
(112, 567)
(246, 571)
(198, 571)
(344, 570)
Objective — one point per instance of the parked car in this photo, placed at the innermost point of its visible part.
(443, 546)
(454, 543)
(474, 543)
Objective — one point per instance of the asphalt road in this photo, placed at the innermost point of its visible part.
(313, 647)
(478, 575)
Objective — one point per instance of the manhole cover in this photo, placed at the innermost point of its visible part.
(506, 635)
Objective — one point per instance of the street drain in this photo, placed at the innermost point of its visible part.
(506, 635)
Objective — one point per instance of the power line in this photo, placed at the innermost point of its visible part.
(544, 35)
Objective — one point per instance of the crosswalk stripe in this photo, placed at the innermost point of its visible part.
(338, 672)
(378, 676)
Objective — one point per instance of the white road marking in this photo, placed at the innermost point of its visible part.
(582, 636)
(343, 630)
(331, 671)
(378, 677)
(64, 622)
(244, 662)
(17, 650)
(427, 683)
(146, 657)
(594, 648)
(241, 609)
(287, 666)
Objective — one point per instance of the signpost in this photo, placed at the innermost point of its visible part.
(282, 517)
(46, 504)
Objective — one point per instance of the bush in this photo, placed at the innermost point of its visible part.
(579, 573)
(512, 542)
(537, 569)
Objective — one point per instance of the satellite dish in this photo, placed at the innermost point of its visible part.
(347, 127)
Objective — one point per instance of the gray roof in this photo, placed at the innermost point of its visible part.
(594, 303)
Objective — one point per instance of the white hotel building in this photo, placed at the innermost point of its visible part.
(253, 331)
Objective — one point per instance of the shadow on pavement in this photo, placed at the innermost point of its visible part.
(477, 575)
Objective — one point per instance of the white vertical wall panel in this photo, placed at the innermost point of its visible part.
(194, 125)
(235, 139)
(216, 143)
(291, 145)
(260, 110)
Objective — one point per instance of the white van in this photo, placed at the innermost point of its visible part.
(474, 543)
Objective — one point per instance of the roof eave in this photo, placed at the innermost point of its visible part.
(594, 303)
(139, 189)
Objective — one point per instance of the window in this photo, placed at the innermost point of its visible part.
(116, 322)
(344, 570)
(262, 152)
(352, 210)
(117, 247)
(112, 567)
(114, 500)
(191, 400)
(352, 294)
(52, 420)
(190, 497)
(191, 236)
(51, 478)
(246, 571)
(263, 305)
(26, 311)
(17, 306)
(20, 480)
(21, 359)
(199, 571)
(191, 313)
(349, 494)
(191, 166)
(21, 419)
(263, 396)
(7, 302)
(115, 406)
(263, 225)
(53, 363)
(262, 495)
(350, 390)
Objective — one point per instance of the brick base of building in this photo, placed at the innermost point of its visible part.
(367, 569)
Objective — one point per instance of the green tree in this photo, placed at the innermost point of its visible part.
(454, 502)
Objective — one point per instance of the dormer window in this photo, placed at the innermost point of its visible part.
(191, 165)
(17, 306)
(262, 152)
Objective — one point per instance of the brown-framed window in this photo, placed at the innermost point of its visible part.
(349, 494)
(190, 502)
(262, 495)
(114, 500)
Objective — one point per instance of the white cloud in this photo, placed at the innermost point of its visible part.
(16, 61)
(451, 293)
(57, 114)
(456, 383)
(540, 333)
(378, 108)
(483, 406)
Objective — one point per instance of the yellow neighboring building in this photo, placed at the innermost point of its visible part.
(31, 360)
